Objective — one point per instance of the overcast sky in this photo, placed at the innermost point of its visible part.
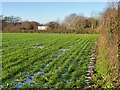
(44, 12)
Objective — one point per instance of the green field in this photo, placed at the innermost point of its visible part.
(45, 60)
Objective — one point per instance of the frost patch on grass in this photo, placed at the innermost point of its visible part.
(19, 85)
(29, 78)
(67, 81)
(38, 47)
(63, 50)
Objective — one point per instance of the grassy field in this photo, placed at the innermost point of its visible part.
(45, 60)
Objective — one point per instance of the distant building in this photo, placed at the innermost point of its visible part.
(42, 27)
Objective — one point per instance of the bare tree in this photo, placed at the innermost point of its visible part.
(12, 19)
(73, 21)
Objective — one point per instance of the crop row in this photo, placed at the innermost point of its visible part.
(60, 63)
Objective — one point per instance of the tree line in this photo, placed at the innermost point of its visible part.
(72, 23)
(15, 24)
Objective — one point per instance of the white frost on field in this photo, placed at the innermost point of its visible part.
(61, 51)
(38, 47)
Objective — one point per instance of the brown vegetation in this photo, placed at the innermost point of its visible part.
(107, 66)
(110, 33)
(19, 26)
